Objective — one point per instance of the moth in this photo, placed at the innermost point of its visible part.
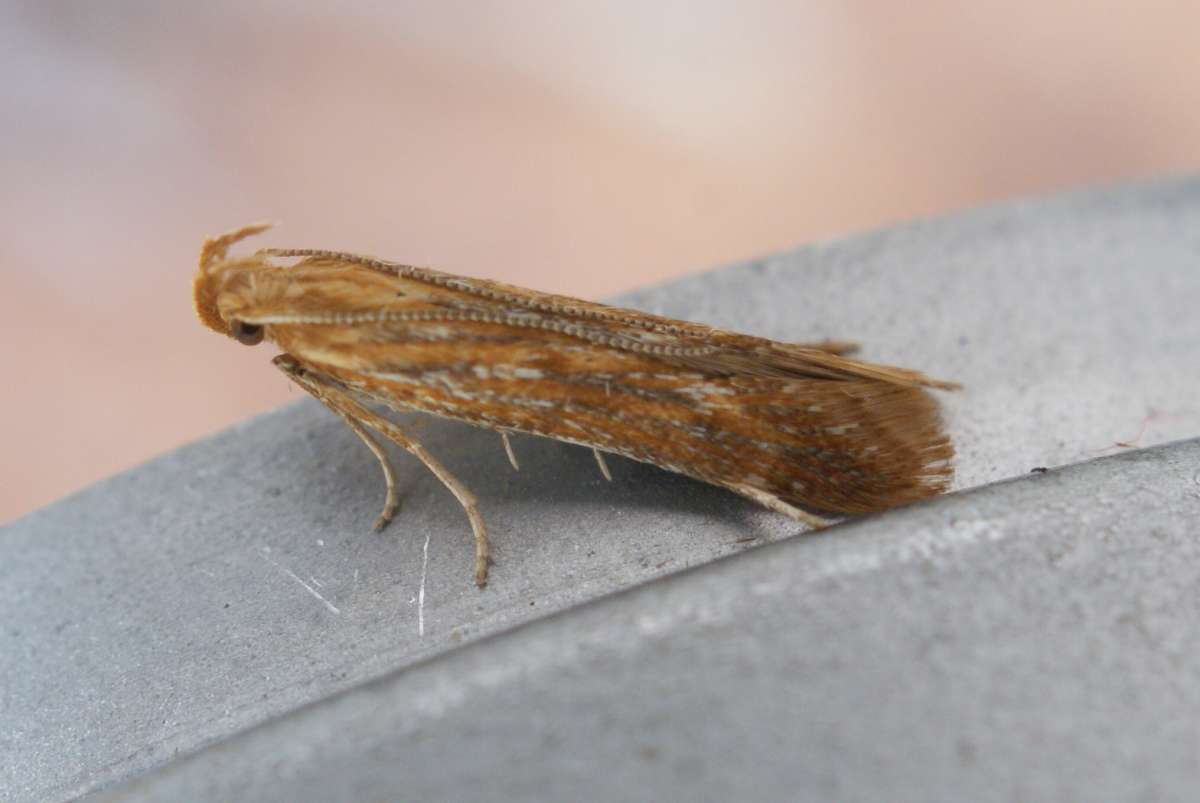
(794, 427)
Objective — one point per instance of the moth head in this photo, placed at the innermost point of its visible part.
(215, 288)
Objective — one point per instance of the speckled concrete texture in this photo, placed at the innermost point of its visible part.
(1027, 639)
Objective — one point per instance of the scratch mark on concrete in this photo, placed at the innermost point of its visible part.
(307, 587)
(421, 592)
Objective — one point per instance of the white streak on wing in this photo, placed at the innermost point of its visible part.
(527, 373)
(407, 379)
(519, 402)
(443, 378)
(701, 390)
(510, 371)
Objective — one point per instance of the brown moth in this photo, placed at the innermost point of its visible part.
(789, 426)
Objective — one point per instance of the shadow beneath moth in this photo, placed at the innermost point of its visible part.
(794, 427)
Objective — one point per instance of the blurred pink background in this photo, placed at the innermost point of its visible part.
(577, 147)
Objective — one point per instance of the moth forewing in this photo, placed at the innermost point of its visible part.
(790, 426)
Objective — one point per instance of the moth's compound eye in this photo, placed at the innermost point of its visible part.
(250, 334)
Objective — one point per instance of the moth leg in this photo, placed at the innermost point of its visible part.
(508, 450)
(465, 498)
(392, 502)
(773, 502)
(345, 406)
(603, 466)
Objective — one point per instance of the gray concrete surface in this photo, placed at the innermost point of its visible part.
(1026, 639)
(986, 648)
